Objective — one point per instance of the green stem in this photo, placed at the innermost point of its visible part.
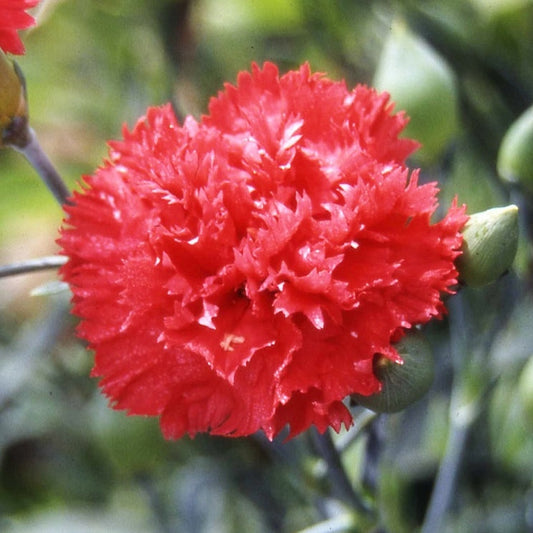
(337, 475)
(33, 152)
(155, 502)
(460, 419)
(362, 419)
(446, 479)
(32, 265)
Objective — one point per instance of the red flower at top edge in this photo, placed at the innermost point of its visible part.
(13, 17)
(239, 273)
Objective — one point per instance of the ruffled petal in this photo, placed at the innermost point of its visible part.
(239, 273)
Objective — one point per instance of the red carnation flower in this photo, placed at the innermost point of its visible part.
(239, 273)
(13, 17)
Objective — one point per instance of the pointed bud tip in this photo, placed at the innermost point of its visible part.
(490, 241)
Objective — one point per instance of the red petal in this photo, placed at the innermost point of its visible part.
(239, 273)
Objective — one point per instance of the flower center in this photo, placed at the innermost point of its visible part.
(229, 339)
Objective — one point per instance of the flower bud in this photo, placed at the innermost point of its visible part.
(490, 240)
(515, 157)
(402, 384)
(13, 107)
(421, 83)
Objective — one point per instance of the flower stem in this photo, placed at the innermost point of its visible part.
(446, 479)
(460, 419)
(155, 502)
(32, 265)
(339, 479)
(363, 418)
(39, 160)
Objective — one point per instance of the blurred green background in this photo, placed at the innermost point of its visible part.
(463, 69)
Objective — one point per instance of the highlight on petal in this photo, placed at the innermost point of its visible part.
(239, 273)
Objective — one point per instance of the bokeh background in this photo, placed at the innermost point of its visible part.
(463, 69)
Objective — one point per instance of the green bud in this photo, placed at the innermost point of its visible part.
(401, 384)
(515, 157)
(421, 83)
(490, 241)
(13, 105)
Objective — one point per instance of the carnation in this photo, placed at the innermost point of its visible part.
(239, 273)
(13, 17)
